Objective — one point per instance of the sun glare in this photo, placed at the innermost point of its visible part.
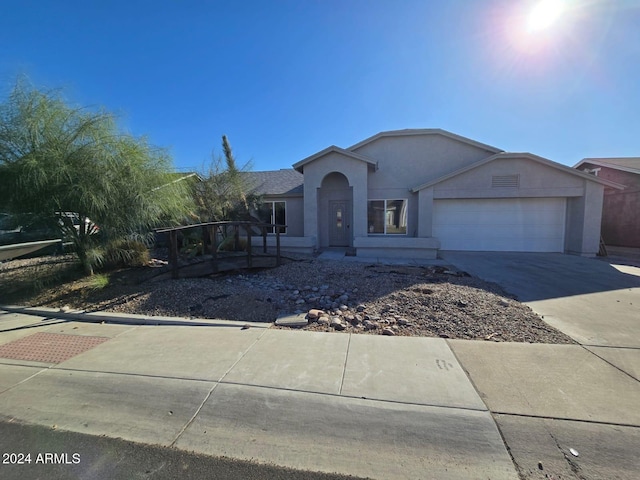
(544, 14)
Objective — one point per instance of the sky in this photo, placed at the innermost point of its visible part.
(286, 79)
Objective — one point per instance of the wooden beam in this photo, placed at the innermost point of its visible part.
(213, 233)
(249, 259)
(236, 237)
(173, 253)
(263, 230)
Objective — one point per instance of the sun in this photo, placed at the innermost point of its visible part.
(544, 14)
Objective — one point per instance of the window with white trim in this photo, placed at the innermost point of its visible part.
(387, 217)
(276, 213)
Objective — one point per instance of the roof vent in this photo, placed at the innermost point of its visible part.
(498, 181)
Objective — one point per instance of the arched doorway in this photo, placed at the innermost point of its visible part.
(335, 212)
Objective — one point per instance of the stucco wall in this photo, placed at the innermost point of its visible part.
(378, 246)
(584, 220)
(425, 212)
(356, 173)
(536, 180)
(408, 161)
(574, 224)
(294, 213)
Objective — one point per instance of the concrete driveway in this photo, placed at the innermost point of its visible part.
(549, 398)
(595, 302)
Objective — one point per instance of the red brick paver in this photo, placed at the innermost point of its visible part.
(49, 347)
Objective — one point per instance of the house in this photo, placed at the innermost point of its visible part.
(410, 193)
(621, 209)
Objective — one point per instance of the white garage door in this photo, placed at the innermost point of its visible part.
(513, 224)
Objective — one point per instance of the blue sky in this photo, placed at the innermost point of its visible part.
(285, 79)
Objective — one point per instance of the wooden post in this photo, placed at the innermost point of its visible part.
(205, 239)
(213, 233)
(249, 259)
(263, 230)
(173, 253)
(236, 237)
(277, 247)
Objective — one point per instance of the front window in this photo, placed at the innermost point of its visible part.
(387, 217)
(275, 213)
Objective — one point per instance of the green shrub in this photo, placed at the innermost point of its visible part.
(192, 243)
(126, 252)
(98, 281)
(227, 245)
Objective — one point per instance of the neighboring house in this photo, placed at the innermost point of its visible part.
(410, 193)
(621, 209)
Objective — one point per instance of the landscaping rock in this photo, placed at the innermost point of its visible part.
(314, 313)
(419, 301)
(336, 323)
(369, 325)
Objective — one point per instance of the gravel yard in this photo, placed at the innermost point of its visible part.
(345, 297)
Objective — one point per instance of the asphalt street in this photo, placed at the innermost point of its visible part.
(33, 452)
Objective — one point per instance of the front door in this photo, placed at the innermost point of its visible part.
(339, 223)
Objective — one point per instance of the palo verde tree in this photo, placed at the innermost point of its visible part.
(60, 162)
(226, 192)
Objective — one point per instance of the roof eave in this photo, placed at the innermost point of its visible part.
(530, 156)
(425, 131)
(604, 163)
(299, 166)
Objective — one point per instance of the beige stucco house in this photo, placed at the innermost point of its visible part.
(410, 193)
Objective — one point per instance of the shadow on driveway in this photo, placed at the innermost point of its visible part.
(542, 276)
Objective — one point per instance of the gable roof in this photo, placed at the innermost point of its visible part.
(625, 164)
(425, 131)
(528, 156)
(333, 149)
(276, 182)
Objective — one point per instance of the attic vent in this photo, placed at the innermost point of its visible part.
(498, 181)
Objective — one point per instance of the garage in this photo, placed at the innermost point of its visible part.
(500, 224)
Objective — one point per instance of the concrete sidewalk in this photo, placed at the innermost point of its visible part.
(364, 405)
(549, 399)
(371, 406)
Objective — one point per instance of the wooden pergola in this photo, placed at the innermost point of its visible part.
(211, 231)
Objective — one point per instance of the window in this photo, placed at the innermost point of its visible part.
(388, 217)
(274, 212)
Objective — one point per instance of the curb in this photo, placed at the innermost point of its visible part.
(126, 319)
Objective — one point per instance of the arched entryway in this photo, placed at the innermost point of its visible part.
(335, 211)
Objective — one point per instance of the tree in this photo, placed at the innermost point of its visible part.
(226, 192)
(60, 162)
